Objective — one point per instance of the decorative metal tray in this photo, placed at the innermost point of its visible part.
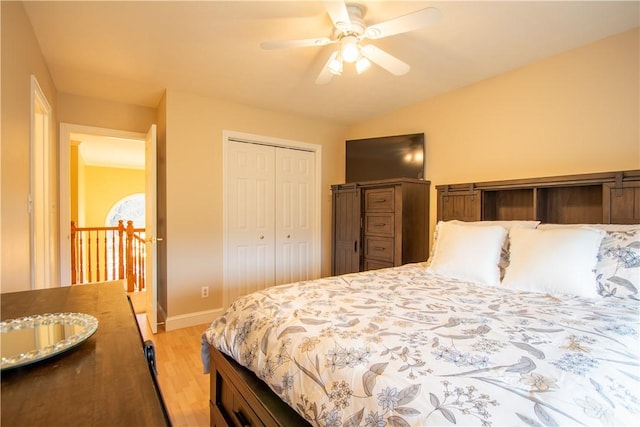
(33, 338)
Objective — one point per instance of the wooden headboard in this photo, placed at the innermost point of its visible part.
(595, 198)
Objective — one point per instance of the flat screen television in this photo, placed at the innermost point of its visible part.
(387, 157)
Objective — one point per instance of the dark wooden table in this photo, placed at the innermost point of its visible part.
(104, 381)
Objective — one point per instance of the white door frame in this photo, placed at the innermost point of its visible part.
(66, 130)
(228, 135)
(41, 206)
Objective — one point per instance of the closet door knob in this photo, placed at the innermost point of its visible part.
(288, 236)
(261, 237)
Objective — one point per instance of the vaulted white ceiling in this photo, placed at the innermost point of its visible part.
(130, 52)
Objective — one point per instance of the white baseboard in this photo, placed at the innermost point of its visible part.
(191, 319)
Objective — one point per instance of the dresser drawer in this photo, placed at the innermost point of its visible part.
(372, 264)
(230, 409)
(379, 224)
(379, 200)
(243, 415)
(378, 248)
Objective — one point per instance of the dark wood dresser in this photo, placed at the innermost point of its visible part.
(105, 381)
(379, 224)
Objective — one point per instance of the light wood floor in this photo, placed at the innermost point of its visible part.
(184, 387)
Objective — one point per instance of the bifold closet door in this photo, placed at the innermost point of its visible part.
(295, 174)
(250, 186)
(270, 205)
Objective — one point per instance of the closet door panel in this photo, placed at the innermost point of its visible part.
(250, 233)
(295, 205)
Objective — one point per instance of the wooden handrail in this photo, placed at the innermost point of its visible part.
(121, 246)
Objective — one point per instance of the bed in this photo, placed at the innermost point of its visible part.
(508, 323)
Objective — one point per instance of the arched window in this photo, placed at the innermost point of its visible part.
(127, 208)
(130, 208)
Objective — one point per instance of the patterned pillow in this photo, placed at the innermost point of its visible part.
(618, 267)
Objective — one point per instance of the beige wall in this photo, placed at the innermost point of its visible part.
(105, 187)
(194, 127)
(576, 112)
(80, 110)
(21, 58)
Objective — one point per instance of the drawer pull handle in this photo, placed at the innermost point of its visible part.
(379, 248)
(380, 200)
(241, 418)
(380, 224)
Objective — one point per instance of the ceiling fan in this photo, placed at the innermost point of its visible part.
(350, 29)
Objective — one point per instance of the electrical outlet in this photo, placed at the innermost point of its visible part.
(204, 292)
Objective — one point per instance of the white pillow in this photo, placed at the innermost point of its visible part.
(468, 253)
(555, 260)
(507, 224)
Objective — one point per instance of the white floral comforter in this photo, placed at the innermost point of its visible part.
(399, 347)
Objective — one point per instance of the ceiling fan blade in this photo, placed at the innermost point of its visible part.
(339, 14)
(283, 44)
(326, 75)
(385, 60)
(404, 24)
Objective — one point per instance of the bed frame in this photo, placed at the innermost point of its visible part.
(238, 398)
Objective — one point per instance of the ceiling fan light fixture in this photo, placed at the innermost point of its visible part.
(362, 65)
(350, 49)
(335, 65)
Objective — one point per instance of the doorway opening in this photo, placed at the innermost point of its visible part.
(146, 301)
(98, 167)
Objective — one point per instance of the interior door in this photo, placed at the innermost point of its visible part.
(151, 239)
(294, 216)
(249, 186)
